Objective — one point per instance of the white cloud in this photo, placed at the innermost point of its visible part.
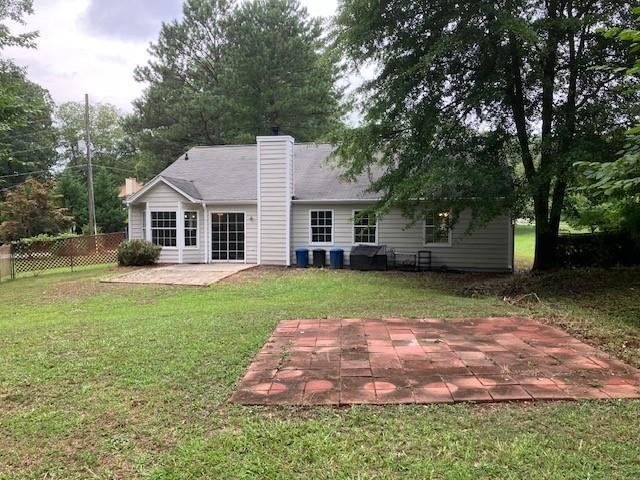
(77, 55)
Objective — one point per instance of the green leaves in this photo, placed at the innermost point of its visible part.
(31, 209)
(15, 11)
(226, 73)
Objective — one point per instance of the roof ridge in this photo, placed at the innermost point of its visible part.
(240, 145)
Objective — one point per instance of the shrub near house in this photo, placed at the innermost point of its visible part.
(138, 252)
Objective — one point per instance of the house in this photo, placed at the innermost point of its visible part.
(258, 203)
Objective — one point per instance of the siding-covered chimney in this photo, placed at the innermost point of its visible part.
(275, 190)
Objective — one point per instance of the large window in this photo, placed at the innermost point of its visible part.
(365, 228)
(163, 228)
(321, 226)
(436, 228)
(190, 229)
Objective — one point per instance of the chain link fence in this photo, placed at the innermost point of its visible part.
(61, 254)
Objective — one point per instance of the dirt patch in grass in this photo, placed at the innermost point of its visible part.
(596, 305)
(260, 273)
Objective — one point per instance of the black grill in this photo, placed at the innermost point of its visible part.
(368, 257)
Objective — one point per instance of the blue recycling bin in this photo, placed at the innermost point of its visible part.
(302, 257)
(336, 258)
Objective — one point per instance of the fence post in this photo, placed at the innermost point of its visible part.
(73, 251)
(12, 258)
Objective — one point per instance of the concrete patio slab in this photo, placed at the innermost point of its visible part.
(198, 275)
(395, 360)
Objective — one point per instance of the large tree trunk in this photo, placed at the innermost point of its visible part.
(546, 234)
(546, 246)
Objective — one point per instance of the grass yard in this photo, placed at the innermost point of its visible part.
(129, 381)
(525, 246)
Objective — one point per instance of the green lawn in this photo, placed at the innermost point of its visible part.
(525, 246)
(113, 381)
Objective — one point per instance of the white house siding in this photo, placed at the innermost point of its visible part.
(194, 254)
(136, 213)
(275, 158)
(485, 249)
(161, 198)
(164, 198)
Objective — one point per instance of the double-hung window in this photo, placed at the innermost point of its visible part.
(365, 228)
(321, 226)
(437, 230)
(163, 229)
(190, 229)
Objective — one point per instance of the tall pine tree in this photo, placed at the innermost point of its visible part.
(226, 73)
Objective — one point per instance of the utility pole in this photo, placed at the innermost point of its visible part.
(87, 140)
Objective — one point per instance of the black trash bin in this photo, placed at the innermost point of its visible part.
(319, 258)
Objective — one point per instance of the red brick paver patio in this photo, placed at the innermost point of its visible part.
(337, 362)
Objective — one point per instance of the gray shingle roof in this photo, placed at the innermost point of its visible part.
(227, 173)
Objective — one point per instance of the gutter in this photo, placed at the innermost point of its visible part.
(335, 200)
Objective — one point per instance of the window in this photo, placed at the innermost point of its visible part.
(365, 227)
(436, 228)
(144, 224)
(321, 226)
(190, 229)
(163, 228)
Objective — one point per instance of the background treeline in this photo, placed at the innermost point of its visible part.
(223, 74)
(526, 106)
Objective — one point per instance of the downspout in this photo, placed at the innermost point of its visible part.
(206, 230)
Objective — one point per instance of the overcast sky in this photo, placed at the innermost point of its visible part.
(93, 46)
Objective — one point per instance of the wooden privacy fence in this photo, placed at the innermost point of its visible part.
(6, 266)
(65, 253)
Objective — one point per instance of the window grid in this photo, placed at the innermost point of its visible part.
(227, 236)
(365, 227)
(321, 226)
(163, 229)
(190, 229)
(436, 228)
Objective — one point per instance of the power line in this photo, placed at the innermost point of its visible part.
(83, 165)
(25, 173)
(117, 169)
(34, 149)
(26, 134)
(13, 187)
(39, 171)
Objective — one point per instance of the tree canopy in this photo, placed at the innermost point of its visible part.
(15, 11)
(225, 73)
(108, 139)
(614, 187)
(461, 88)
(31, 209)
(110, 212)
(27, 137)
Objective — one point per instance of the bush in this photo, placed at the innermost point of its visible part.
(138, 252)
(608, 249)
(43, 237)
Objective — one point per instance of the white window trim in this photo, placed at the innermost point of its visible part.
(197, 245)
(333, 226)
(160, 210)
(353, 229)
(431, 244)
